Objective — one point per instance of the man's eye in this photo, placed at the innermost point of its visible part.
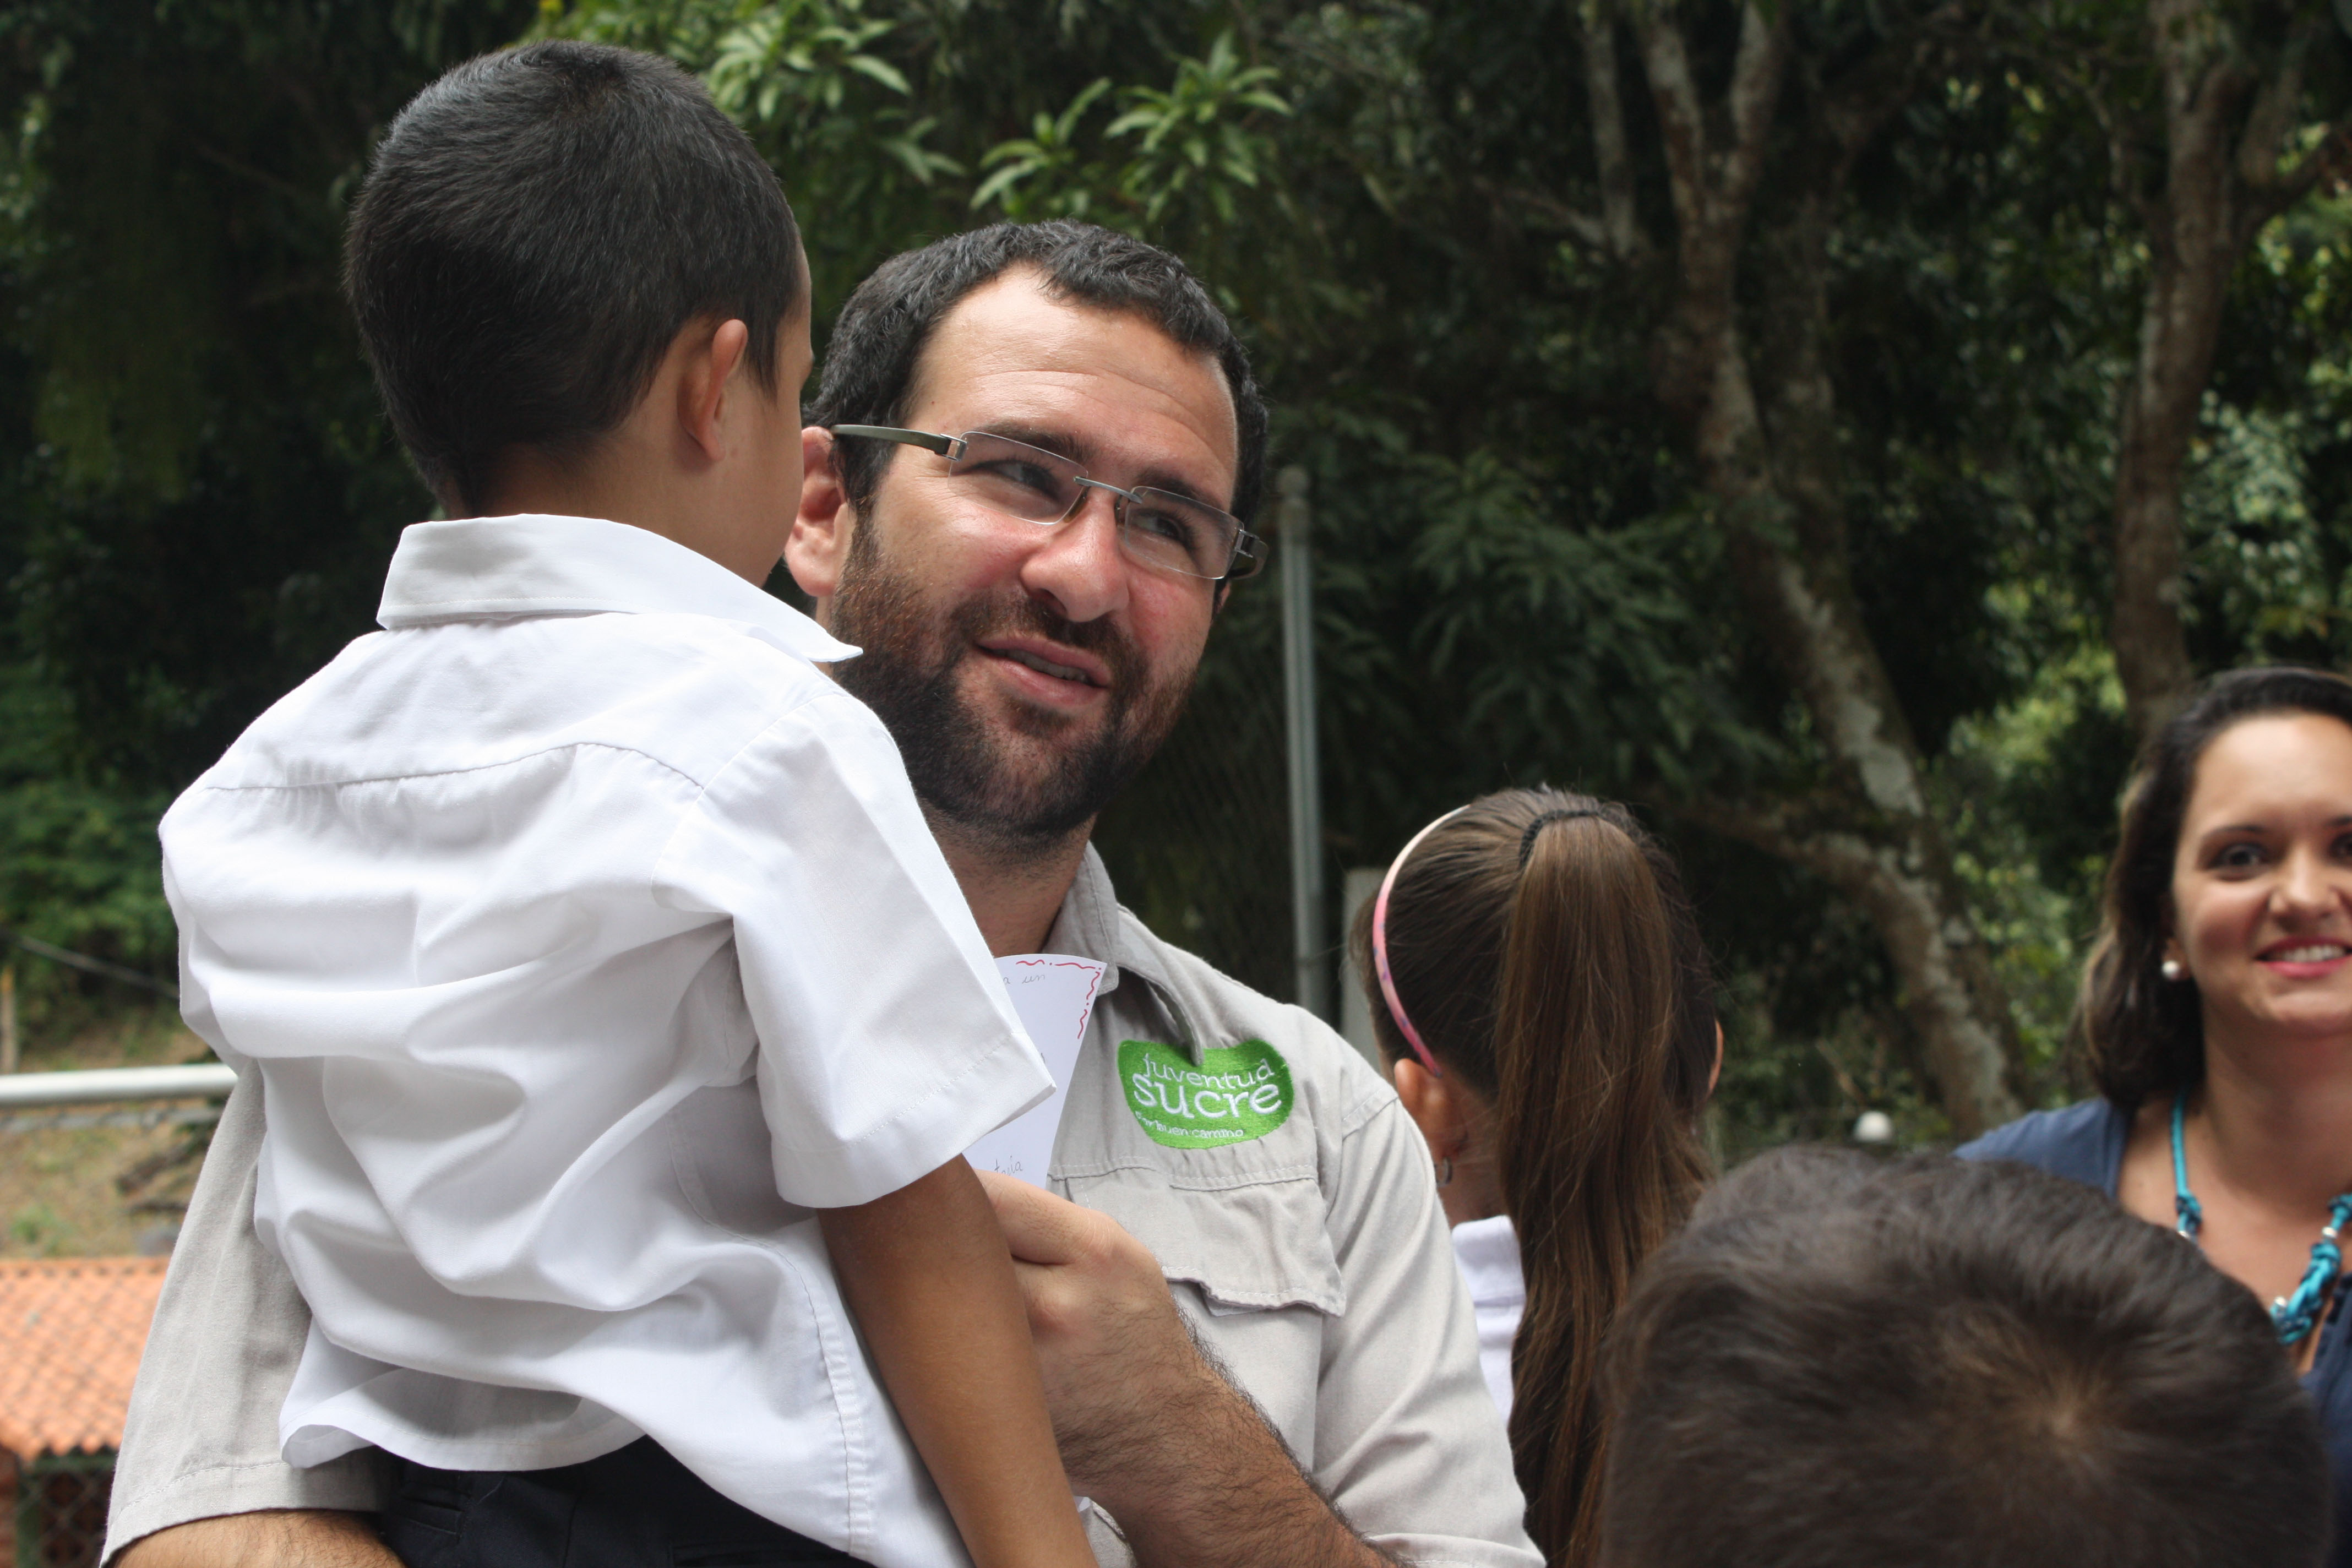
(1015, 470)
(1167, 525)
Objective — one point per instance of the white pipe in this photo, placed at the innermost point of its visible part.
(100, 1085)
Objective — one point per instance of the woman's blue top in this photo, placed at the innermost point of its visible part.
(2085, 1143)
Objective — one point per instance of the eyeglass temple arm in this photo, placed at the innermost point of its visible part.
(945, 445)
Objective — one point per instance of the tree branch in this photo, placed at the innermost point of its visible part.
(2272, 115)
(1756, 77)
(2270, 190)
(1548, 211)
(1854, 113)
(2091, 87)
(2330, 158)
(1621, 223)
(1682, 125)
(1800, 830)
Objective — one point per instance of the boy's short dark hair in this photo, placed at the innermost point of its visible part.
(1845, 1362)
(878, 343)
(537, 228)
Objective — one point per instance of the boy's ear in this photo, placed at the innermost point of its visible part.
(710, 363)
(819, 543)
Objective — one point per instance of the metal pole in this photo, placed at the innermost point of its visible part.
(103, 1085)
(1293, 522)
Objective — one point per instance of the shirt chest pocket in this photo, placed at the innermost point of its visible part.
(1250, 1245)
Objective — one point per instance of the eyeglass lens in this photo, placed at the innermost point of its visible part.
(1157, 528)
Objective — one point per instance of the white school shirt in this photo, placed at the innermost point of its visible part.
(533, 914)
(1311, 1262)
(1487, 1253)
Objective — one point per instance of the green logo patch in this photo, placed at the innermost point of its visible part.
(1237, 1093)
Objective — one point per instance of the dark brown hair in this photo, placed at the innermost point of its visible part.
(873, 363)
(1541, 944)
(536, 229)
(1845, 1362)
(2142, 1035)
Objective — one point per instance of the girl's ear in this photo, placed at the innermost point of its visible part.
(1437, 1106)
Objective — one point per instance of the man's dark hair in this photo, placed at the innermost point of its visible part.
(537, 228)
(878, 343)
(1847, 1364)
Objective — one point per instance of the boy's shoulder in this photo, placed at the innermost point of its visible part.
(687, 691)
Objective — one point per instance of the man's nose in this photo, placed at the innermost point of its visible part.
(1078, 569)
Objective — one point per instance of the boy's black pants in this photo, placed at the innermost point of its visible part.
(635, 1508)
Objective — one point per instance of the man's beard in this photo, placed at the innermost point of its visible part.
(962, 773)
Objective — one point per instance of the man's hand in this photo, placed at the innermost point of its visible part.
(1116, 1356)
(1147, 1426)
(284, 1538)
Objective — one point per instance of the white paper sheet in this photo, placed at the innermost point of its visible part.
(1054, 995)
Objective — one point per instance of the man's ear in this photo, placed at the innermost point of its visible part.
(819, 543)
(709, 364)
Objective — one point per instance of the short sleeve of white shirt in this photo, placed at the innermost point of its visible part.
(859, 963)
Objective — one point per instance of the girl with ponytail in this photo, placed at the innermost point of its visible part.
(1540, 994)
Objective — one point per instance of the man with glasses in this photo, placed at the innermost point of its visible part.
(1167, 532)
(1026, 468)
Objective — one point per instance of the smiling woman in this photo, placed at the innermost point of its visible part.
(2216, 1016)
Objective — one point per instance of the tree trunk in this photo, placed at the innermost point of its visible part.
(2222, 183)
(2194, 247)
(1770, 466)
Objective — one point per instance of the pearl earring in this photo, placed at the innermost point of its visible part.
(2171, 969)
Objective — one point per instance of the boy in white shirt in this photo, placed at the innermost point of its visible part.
(608, 993)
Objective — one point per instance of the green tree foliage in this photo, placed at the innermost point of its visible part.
(199, 494)
(1522, 574)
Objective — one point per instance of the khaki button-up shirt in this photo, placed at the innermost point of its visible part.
(1288, 1199)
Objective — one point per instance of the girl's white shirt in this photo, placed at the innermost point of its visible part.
(1487, 1253)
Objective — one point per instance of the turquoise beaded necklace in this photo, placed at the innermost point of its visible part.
(2293, 1316)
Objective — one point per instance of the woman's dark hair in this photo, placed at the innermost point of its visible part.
(877, 343)
(537, 227)
(1541, 944)
(2142, 1035)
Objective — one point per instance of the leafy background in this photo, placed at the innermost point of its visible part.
(1516, 579)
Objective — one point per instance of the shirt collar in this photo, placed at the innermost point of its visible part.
(1088, 923)
(1488, 1253)
(1092, 925)
(484, 568)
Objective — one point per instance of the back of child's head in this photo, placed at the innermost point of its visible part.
(1844, 1362)
(536, 229)
(1540, 944)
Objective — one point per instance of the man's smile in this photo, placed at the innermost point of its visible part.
(1047, 668)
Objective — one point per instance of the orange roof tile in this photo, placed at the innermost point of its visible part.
(71, 1333)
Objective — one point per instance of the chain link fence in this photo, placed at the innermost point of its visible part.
(60, 1509)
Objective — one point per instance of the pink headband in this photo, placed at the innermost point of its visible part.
(1380, 943)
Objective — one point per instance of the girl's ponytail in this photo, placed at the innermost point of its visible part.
(1542, 947)
(1599, 1161)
